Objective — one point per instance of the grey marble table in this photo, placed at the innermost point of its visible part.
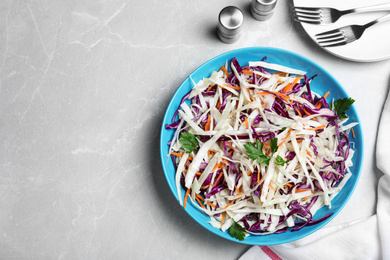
(83, 90)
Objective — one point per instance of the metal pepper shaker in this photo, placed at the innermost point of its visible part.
(262, 10)
(230, 20)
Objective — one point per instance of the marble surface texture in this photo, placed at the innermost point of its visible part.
(83, 89)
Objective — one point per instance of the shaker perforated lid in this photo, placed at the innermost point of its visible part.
(230, 20)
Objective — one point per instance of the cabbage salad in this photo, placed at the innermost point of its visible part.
(258, 151)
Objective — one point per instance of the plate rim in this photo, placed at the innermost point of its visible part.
(336, 54)
(165, 157)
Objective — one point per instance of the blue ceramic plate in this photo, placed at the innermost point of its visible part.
(321, 84)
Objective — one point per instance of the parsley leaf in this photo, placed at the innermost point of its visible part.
(274, 145)
(279, 161)
(237, 231)
(256, 153)
(342, 105)
(188, 141)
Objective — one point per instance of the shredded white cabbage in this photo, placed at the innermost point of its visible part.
(308, 167)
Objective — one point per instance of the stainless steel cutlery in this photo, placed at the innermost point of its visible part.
(327, 15)
(346, 34)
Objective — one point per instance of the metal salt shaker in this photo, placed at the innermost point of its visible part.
(262, 10)
(230, 20)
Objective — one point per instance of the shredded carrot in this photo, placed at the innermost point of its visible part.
(288, 184)
(227, 87)
(249, 173)
(306, 112)
(230, 144)
(258, 176)
(238, 190)
(205, 187)
(217, 180)
(188, 163)
(246, 123)
(297, 191)
(209, 88)
(210, 153)
(326, 94)
(283, 96)
(316, 128)
(319, 105)
(246, 71)
(353, 133)
(207, 126)
(218, 104)
(224, 70)
(282, 142)
(200, 203)
(272, 187)
(186, 197)
(211, 204)
(288, 134)
(297, 110)
(265, 103)
(230, 203)
(281, 74)
(198, 173)
(200, 197)
(218, 165)
(290, 86)
(223, 218)
(177, 154)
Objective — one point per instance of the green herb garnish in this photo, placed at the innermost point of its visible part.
(340, 106)
(237, 231)
(255, 152)
(188, 141)
(279, 161)
(274, 145)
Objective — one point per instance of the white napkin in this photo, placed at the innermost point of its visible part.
(368, 238)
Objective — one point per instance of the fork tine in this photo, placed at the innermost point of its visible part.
(308, 15)
(336, 44)
(330, 36)
(327, 33)
(336, 38)
(305, 20)
(303, 12)
(307, 9)
(331, 39)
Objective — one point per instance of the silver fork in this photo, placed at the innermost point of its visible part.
(326, 15)
(346, 34)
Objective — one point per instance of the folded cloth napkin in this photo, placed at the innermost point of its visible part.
(368, 238)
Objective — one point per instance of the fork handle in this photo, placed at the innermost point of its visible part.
(379, 20)
(371, 8)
